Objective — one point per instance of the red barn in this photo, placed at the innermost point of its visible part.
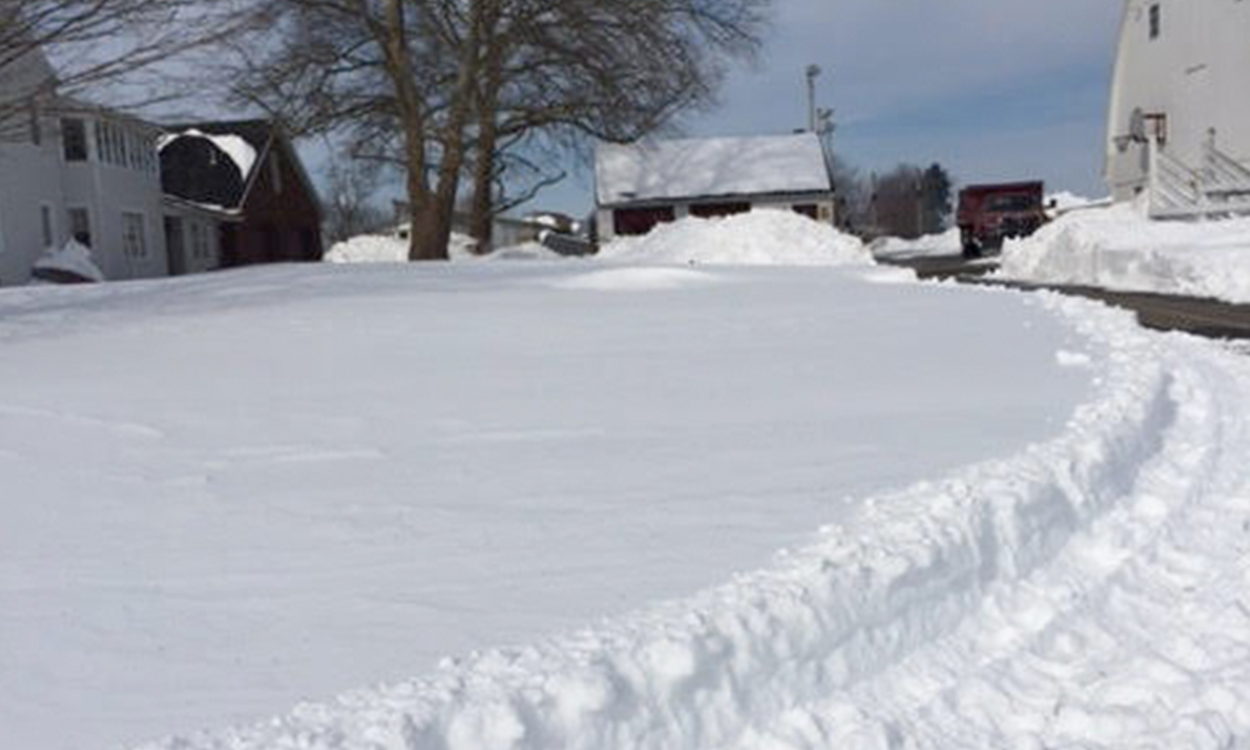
(248, 171)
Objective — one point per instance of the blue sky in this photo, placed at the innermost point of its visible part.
(993, 89)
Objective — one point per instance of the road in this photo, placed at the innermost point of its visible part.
(1202, 317)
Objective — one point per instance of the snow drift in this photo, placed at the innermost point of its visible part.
(1118, 248)
(73, 262)
(1086, 592)
(762, 237)
(385, 248)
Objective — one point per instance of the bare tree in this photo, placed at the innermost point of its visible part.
(615, 71)
(350, 210)
(438, 87)
(97, 42)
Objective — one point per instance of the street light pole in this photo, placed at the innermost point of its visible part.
(813, 72)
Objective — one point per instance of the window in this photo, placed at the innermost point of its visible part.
(120, 142)
(714, 210)
(80, 226)
(134, 236)
(74, 139)
(632, 222)
(49, 230)
(1156, 20)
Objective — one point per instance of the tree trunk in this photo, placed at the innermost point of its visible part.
(412, 122)
(482, 221)
(436, 240)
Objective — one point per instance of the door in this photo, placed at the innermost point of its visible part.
(175, 246)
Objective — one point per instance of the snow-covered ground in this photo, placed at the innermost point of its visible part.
(1118, 248)
(944, 244)
(382, 248)
(1012, 520)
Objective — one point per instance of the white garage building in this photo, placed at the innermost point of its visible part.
(1179, 122)
(642, 185)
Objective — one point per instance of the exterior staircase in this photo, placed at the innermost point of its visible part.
(1219, 188)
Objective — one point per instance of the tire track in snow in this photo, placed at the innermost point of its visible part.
(1138, 635)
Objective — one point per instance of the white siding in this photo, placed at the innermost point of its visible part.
(110, 191)
(1197, 72)
(31, 180)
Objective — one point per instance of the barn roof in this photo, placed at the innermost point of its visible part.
(710, 167)
(191, 167)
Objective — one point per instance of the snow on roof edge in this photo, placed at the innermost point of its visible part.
(242, 153)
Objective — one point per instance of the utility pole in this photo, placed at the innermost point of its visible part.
(813, 122)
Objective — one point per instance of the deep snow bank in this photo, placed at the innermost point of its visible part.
(775, 659)
(1118, 248)
(378, 248)
(767, 237)
(385, 248)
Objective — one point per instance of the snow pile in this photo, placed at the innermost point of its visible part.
(1088, 592)
(73, 260)
(946, 243)
(383, 248)
(759, 238)
(525, 251)
(240, 152)
(1064, 201)
(1118, 248)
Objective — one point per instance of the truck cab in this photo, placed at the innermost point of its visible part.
(989, 214)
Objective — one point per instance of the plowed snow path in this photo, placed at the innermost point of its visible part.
(1136, 635)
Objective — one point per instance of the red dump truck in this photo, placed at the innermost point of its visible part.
(989, 214)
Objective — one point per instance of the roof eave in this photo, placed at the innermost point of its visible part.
(659, 201)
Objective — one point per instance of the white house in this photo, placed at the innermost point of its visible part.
(70, 170)
(75, 171)
(1179, 118)
(642, 185)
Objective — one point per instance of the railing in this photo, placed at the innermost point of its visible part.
(1219, 188)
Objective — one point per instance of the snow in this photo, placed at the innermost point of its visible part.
(241, 153)
(762, 237)
(278, 484)
(381, 248)
(1118, 248)
(599, 505)
(710, 167)
(1064, 201)
(73, 258)
(931, 245)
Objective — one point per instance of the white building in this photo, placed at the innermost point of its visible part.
(1181, 90)
(640, 186)
(70, 170)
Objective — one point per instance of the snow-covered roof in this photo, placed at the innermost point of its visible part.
(242, 153)
(710, 167)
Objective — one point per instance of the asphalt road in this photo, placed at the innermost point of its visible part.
(1202, 317)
